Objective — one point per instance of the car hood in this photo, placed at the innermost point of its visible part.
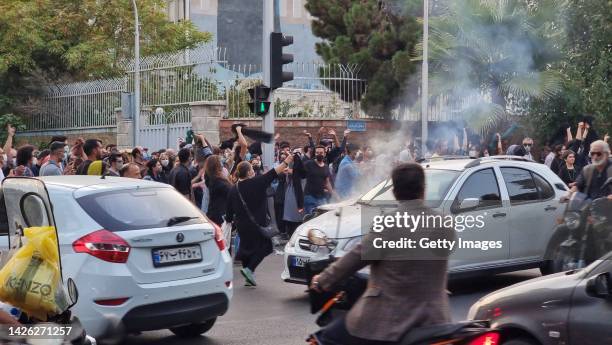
(334, 206)
(349, 217)
(535, 292)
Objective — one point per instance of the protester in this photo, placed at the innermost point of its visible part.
(56, 156)
(348, 173)
(180, 177)
(218, 187)
(93, 164)
(318, 184)
(289, 200)
(131, 170)
(247, 200)
(115, 164)
(557, 161)
(568, 171)
(154, 171)
(24, 160)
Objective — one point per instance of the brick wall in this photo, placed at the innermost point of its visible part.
(293, 130)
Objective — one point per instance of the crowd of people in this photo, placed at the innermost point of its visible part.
(228, 181)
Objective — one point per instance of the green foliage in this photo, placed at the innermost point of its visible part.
(13, 120)
(585, 68)
(376, 35)
(49, 40)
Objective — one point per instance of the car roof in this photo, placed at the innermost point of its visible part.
(87, 184)
(463, 164)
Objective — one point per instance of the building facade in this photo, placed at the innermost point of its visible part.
(237, 26)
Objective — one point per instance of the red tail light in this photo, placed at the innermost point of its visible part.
(104, 245)
(111, 302)
(219, 238)
(489, 338)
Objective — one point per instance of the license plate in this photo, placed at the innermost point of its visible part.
(299, 261)
(176, 255)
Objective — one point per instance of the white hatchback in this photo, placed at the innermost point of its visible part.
(143, 257)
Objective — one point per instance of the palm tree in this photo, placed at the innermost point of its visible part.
(501, 49)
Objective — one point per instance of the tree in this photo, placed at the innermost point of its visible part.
(502, 49)
(376, 35)
(47, 40)
(586, 68)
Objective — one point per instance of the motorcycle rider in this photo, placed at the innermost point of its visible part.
(593, 176)
(406, 287)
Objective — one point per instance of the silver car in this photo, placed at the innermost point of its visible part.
(517, 201)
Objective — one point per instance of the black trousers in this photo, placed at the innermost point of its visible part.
(253, 259)
(290, 227)
(336, 334)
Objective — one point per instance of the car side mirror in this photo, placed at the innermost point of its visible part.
(599, 286)
(469, 203)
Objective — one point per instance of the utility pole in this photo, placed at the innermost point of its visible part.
(268, 120)
(136, 74)
(425, 79)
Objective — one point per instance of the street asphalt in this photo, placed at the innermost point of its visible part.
(277, 313)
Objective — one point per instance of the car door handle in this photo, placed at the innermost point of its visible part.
(499, 215)
(550, 208)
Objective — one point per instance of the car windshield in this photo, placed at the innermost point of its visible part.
(438, 182)
(136, 209)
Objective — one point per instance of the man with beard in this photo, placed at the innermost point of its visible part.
(593, 176)
(93, 165)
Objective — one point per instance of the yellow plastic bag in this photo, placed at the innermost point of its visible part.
(31, 280)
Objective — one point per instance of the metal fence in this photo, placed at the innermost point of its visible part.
(317, 91)
(78, 105)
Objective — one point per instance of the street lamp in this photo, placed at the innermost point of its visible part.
(136, 74)
(425, 79)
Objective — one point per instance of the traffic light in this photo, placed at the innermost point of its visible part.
(259, 104)
(278, 59)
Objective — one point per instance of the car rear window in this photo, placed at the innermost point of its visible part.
(136, 209)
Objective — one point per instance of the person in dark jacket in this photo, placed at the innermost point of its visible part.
(218, 188)
(289, 199)
(569, 171)
(254, 246)
(154, 171)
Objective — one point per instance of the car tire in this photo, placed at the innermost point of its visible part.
(520, 341)
(549, 266)
(194, 330)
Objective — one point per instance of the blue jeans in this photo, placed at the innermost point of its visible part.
(311, 202)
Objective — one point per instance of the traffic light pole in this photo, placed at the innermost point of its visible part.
(268, 120)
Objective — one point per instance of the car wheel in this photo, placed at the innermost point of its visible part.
(520, 341)
(551, 264)
(195, 330)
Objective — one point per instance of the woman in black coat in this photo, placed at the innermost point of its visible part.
(218, 188)
(289, 207)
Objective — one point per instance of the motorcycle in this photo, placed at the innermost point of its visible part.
(589, 227)
(332, 305)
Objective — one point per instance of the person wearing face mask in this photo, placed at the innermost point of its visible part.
(593, 176)
(528, 145)
(180, 178)
(56, 156)
(318, 183)
(115, 163)
(256, 163)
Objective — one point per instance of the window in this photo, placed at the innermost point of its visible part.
(146, 208)
(438, 183)
(481, 185)
(545, 189)
(520, 184)
(297, 8)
